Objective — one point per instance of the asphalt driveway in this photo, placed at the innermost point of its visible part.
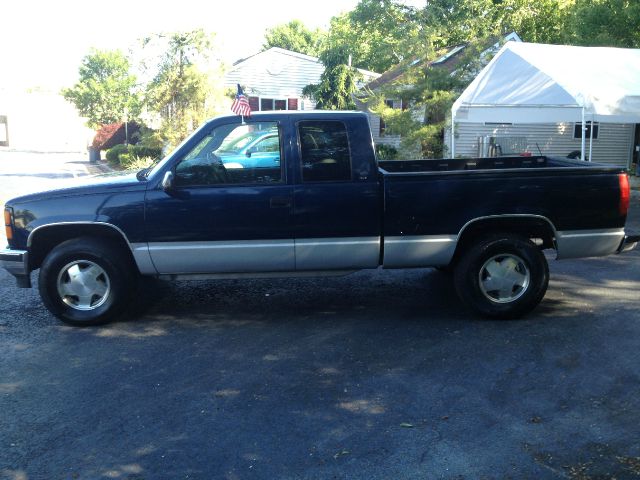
(374, 375)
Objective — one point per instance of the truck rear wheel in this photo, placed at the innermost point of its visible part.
(502, 276)
(86, 281)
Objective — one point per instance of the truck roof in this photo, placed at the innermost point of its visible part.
(300, 113)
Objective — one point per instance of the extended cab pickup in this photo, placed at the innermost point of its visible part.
(317, 200)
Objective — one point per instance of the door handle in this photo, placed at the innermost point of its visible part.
(280, 202)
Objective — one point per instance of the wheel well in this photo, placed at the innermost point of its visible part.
(47, 238)
(538, 229)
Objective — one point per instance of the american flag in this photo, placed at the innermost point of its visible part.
(240, 105)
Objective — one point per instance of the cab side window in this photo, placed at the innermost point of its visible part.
(324, 151)
(247, 153)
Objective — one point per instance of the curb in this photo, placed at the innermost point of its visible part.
(98, 168)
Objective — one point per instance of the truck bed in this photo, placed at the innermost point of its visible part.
(474, 164)
(429, 202)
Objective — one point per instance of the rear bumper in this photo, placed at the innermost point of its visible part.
(16, 263)
(629, 242)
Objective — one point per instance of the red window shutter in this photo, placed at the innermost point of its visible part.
(293, 104)
(254, 103)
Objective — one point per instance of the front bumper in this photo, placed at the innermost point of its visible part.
(629, 242)
(17, 264)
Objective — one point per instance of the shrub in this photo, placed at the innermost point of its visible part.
(124, 155)
(107, 136)
(386, 152)
(124, 159)
(113, 154)
(144, 151)
(131, 162)
(150, 138)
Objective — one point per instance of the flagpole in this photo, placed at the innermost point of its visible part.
(240, 105)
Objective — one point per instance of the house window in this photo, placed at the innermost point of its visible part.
(577, 130)
(254, 103)
(267, 104)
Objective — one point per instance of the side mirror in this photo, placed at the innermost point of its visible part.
(167, 181)
(251, 151)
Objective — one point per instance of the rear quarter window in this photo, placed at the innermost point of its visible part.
(324, 151)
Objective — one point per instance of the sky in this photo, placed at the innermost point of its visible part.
(43, 41)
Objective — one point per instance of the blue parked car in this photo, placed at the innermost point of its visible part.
(252, 150)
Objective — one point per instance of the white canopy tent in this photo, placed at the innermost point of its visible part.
(536, 83)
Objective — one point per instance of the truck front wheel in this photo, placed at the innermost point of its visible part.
(85, 281)
(502, 276)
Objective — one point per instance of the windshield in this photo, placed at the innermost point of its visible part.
(144, 173)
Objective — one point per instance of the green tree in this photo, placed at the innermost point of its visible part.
(377, 34)
(374, 36)
(337, 84)
(106, 91)
(187, 85)
(611, 23)
(429, 91)
(451, 22)
(294, 36)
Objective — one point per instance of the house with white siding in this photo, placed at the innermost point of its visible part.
(274, 79)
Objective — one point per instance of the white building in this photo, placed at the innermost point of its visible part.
(274, 79)
(40, 120)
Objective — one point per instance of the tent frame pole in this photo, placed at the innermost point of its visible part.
(591, 140)
(453, 133)
(584, 134)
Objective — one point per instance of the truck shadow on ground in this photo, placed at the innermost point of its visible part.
(419, 295)
(424, 293)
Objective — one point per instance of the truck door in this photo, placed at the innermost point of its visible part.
(337, 211)
(226, 213)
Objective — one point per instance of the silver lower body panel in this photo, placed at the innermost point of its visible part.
(337, 253)
(313, 254)
(419, 251)
(223, 257)
(588, 243)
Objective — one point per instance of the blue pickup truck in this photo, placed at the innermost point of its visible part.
(326, 206)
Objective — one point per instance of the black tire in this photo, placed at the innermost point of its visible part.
(99, 270)
(519, 281)
(446, 269)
